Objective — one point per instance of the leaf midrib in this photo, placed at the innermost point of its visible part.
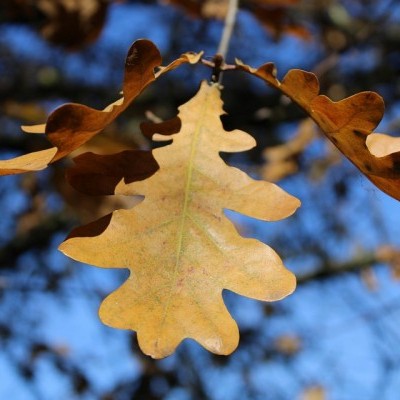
(186, 202)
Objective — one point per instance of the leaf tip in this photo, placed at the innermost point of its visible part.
(39, 129)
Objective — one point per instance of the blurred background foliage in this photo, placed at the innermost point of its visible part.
(337, 337)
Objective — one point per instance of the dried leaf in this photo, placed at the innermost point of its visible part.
(180, 248)
(167, 128)
(99, 174)
(381, 145)
(320, 166)
(30, 112)
(370, 279)
(29, 162)
(189, 57)
(271, 13)
(72, 125)
(347, 123)
(71, 24)
(276, 3)
(215, 9)
(281, 160)
(202, 8)
(288, 345)
(86, 208)
(314, 393)
(39, 128)
(193, 8)
(391, 256)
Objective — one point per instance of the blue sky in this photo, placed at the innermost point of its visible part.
(349, 334)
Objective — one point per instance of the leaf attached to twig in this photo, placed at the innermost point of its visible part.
(179, 246)
(347, 123)
(72, 125)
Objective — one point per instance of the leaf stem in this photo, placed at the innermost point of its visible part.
(228, 27)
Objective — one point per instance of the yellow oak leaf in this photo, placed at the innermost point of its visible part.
(180, 248)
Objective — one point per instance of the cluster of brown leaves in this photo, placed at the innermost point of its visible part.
(272, 14)
(72, 125)
(71, 24)
(180, 248)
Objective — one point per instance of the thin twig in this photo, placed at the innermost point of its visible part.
(228, 27)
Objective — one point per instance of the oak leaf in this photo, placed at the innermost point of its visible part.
(347, 123)
(282, 160)
(99, 175)
(274, 16)
(28, 162)
(72, 125)
(72, 24)
(180, 248)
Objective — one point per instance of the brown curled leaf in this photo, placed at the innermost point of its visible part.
(282, 160)
(189, 57)
(272, 14)
(347, 123)
(95, 174)
(92, 229)
(282, 3)
(72, 125)
(166, 128)
(99, 174)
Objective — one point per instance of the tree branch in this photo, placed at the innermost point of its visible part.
(357, 264)
(228, 28)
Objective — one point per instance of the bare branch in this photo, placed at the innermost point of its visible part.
(228, 28)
